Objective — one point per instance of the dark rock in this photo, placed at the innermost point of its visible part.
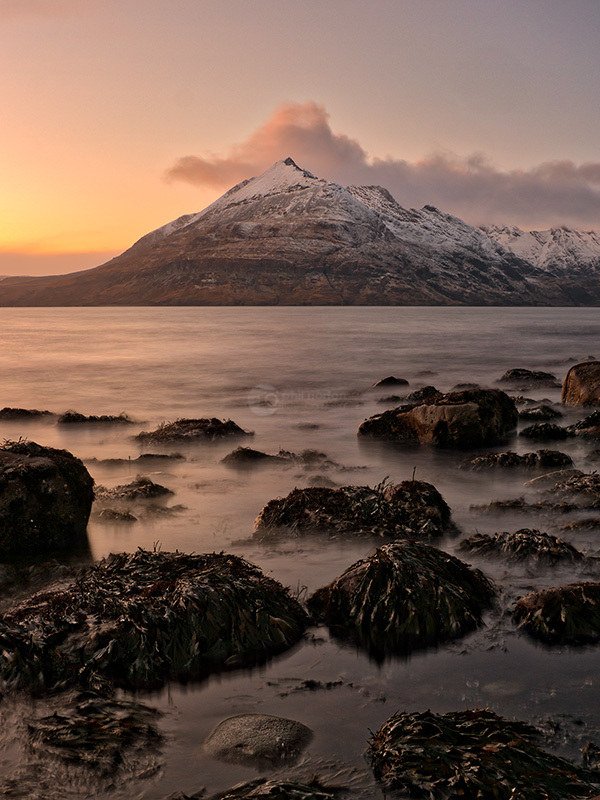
(471, 754)
(23, 414)
(141, 488)
(541, 413)
(192, 430)
(136, 620)
(407, 595)
(247, 457)
(391, 398)
(525, 543)
(529, 379)
(73, 417)
(114, 515)
(522, 505)
(552, 478)
(463, 387)
(390, 381)
(588, 427)
(423, 395)
(581, 490)
(567, 614)
(45, 498)
(545, 431)
(459, 419)
(258, 740)
(410, 508)
(538, 459)
(145, 459)
(588, 524)
(581, 386)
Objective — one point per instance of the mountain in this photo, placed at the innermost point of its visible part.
(287, 237)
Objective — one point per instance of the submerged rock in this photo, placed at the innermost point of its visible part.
(390, 381)
(192, 430)
(459, 419)
(115, 515)
(529, 379)
(526, 543)
(581, 386)
(542, 413)
(406, 595)
(552, 478)
(472, 754)
(23, 414)
(258, 740)
(45, 498)
(582, 490)
(544, 431)
(410, 508)
(141, 488)
(74, 417)
(538, 459)
(567, 614)
(248, 457)
(139, 619)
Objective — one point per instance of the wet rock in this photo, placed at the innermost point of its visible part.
(390, 399)
(136, 620)
(114, 515)
(587, 524)
(536, 460)
(410, 508)
(541, 413)
(280, 789)
(471, 754)
(581, 386)
(248, 457)
(525, 543)
(258, 740)
(192, 430)
(588, 427)
(522, 505)
(522, 379)
(582, 490)
(23, 414)
(407, 595)
(459, 419)
(143, 460)
(75, 418)
(423, 395)
(552, 478)
(567, 614)
(45, 498)
(141, 488)
(463, 387)
(544, 431)
(391, 381)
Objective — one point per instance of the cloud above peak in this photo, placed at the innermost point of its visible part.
(552, 193)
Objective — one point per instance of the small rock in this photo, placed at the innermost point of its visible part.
(567, 614)
(193, 430)
(23, 414)
(527, 379)
(541, 413)
(545, 431)
(258, 740)
(390, 381)
(74, 417)
(538, 459)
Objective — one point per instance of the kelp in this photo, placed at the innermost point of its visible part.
(509, 459)
(139, 619)
(472, 754)
(192, 430)
(568, 614)
(582, 490)
(276, 789)
(410, 508)
(526, 543)
(407, 595)
(545, 431)
(139, 489)
(74, 418)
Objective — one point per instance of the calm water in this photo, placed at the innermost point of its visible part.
(274, 371)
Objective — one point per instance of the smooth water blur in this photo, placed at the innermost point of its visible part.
(300, 378)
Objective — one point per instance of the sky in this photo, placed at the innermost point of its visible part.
(120, 115)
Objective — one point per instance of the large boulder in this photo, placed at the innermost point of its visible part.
(471, 418)
(406, 595)
(567, 614)
(45, 498)
(410, 508)
(136, 620)
(472, 754)
(581, 387)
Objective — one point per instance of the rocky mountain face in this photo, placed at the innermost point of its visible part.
(290, 238)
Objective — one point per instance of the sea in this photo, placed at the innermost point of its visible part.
(299, 378)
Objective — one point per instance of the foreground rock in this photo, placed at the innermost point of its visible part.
(136, 620)
(258, 740)
(192, 430)
(459, 419)
(75, 418)
(567, 614)
(407, 595)
(410, 508)
(45, 499)
(540, 459)
(522, 379)
(581, 386)
(472, 754)
(525, 543)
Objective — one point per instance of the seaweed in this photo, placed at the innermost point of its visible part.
(74, 418)
(537, 459)
(472, 754)
(526, 543)
(568, 614)
(278, 789)
(192, 430)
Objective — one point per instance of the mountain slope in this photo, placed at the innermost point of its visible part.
(288, 237)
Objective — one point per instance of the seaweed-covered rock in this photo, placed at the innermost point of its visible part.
(526, 543)
(567, 614)
(541, 413)
(549, 479)
(390, 381)
(424, 394)
(538, 459)
(582, 490)
(588, 427)
(258, 740)
(192, 430)
(45, 498)
(529, 379)
(544, 431)
(248, 457)
(277, 789)
(74, 418)
(22, 414)
(406, 595)
(472, 754)
(459, 419)
(141, 488)
(410, 508)
(581, 386)
(139, 619)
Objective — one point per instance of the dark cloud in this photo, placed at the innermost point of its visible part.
(553, 193)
